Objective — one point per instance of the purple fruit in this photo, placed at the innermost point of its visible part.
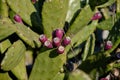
(58, 33)
(60, 49)
(48, 44)
(66, 41)
(108, 45)
(56, 42)
(17, 18)
(103, 79)
(97, 16)
(34, 1)
(42, 38)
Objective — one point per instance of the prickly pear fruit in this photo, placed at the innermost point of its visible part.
(42, 38)
(17, 18)
(48, 44)
(56, 42)
(34, 1)
(108, 45)
(97, 16)
(58, 33)
(66, 41)
(103, 79)
(60, 49)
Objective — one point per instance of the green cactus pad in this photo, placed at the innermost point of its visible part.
(92, 47)
(13, 56)
(20, 70)
(53, 15)
(81, 20)
(85, 33)
(28, 36)
(86, 50)
(74, 6)
(3, 8)
(47, 65)
(6, 29)
(89, 47)
(110, 2)
(4, 45)
(5, 76)
(78, 75)
(59, 76)
(25, 9)
(5, 20)
(106, 25)
(21, 8)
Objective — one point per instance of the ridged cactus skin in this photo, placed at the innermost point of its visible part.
(5, 45)
(3, 8)
(89, 47)
(86, 32)
(27, 35)
(20, 70)
(86, 50)
(23, 56)
(47, 65)
(6, 30)
(106, 25)
(5, 76)
(78, 75)
(80, 21)
(53, 16)
(18, 6)
(59, 76)
(72, 9)
(13, 56)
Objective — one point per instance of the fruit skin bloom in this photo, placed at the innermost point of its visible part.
(48, 44)
(17, 18)
(58, 33)
(66, 41)
(60, 49)
(56, 42)
(42, 38)
(97, 16)
(108, 45)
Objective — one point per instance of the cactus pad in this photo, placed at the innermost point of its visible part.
(78, 75)
(28, 36)
(13, 56)
(54, 14)
(5, 45)
(5, 76)
(20, 70)
(80, 21)
(6, 29)
(47, 65)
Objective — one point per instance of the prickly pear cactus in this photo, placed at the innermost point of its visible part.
(59, 39)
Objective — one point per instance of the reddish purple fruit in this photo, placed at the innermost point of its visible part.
(34, 1)
(66, 41)
(48, 44)
(42, 38)
(108, 45)
(97, 16)
(103, 79)
(56, 41)
(17, 18)
(60, 49)
(58, 33)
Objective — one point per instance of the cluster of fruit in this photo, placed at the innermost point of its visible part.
(57, 38)
(58, 41)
